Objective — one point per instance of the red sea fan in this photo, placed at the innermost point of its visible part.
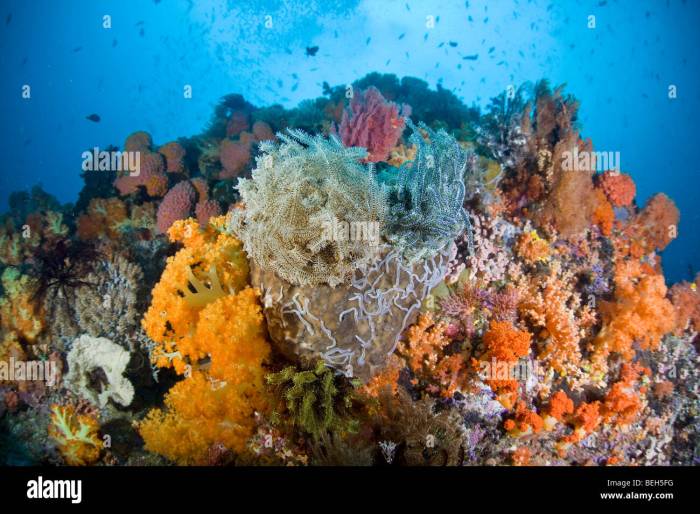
(176, 205)
(373, 123)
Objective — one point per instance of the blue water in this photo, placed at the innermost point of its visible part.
(133, 74)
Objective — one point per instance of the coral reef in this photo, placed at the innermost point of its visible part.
(455, 295)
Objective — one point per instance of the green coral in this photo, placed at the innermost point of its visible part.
(299, 189)
(313, 399)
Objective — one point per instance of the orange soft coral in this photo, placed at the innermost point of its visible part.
(603, 215)
(212, 264)
(560, 406)
(653, 228)
(532, 248)
(686, 299)
(75, 435)
(216, 403)
(525, 422)
(618, 187)
(506, 343)
(639, 313)
(102, 219)
(552, 304)
(19, 313)
(424, 352)
(623, 402)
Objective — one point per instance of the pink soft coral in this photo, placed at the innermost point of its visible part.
(373, 123)
(176, 205)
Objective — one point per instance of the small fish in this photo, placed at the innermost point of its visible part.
(295, 76)
(387, 62)
(408, 7)
(470, 18)
(295, 87)
(311, 51)
(402, 36)
(368, 40)
(77, 49)
(453, 44)
(492, 49)
(603, 3)
(8, 19)
(441, 45)
(93, 117)
(425, 38)
(486, 20)
(114, 43)
(473, 57)
(141, 32)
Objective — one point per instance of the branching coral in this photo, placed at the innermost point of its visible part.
(373, 123)
(426, 211)
(75, 435)
(299, 189)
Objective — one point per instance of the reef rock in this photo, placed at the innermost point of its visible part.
(353, 327)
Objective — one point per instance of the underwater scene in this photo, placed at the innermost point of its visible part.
(349, 233)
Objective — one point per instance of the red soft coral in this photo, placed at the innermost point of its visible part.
(372, 123)
(618, 187)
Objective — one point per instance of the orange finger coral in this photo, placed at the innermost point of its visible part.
(75, 435)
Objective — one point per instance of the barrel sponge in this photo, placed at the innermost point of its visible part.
(87, 356)
(300, 188)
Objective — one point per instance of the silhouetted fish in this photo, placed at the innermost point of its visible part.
(8, 19)
(93, 117)
(368, 40)
(470, 57)
(453, 44)
(311, 50)
(402, 36)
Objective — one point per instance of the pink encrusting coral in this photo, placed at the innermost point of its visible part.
(373, 123)
(176, 205)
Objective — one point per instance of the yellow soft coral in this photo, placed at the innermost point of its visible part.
(216, 403)
(75, 435)
(211, 265)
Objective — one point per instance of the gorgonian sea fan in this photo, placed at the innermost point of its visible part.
(426, 203)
